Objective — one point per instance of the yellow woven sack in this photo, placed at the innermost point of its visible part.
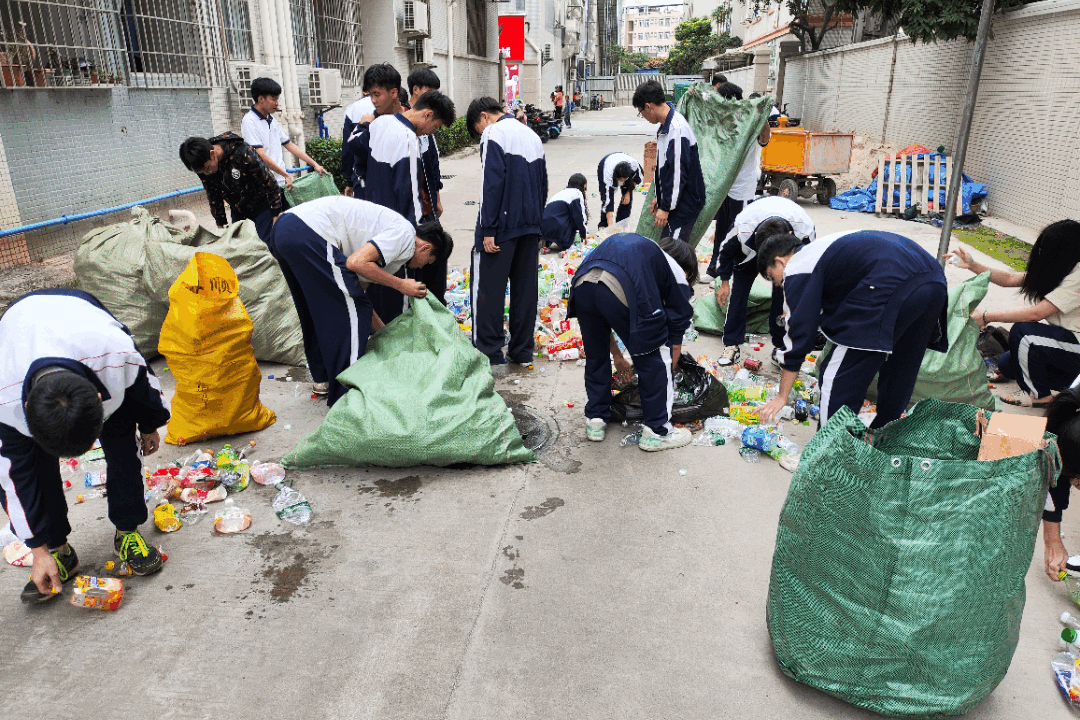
(206, 340)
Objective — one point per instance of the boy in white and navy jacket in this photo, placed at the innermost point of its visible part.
(506, 248)
(565, 215)
(617, 174)
(680, 185)
(70, 374)
(382, 84)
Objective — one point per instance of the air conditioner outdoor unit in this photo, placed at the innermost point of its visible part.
(416, 18)
(420, 55)
(244, 73)
(324, 88)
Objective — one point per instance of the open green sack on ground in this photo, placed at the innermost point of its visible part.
(898, 577)
(420, 395)
(725, 130)
(130, 267)
(311, 186)
(709, 317)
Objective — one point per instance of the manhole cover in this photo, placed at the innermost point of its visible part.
(537, 430)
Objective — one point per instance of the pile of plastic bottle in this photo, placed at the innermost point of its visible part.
(208, 477)
(1066, 664)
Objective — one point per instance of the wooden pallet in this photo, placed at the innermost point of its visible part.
(919, 185)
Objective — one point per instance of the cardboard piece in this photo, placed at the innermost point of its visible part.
(649, 166)
(1010, 435)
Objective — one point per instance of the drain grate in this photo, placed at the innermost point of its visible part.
(447, 177)
(537, 430)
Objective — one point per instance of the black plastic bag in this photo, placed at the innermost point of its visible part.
(708, 396)
(992, 342)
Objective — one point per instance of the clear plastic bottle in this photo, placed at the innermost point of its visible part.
(291, 506)
(1069, 620)
(1072, 585)
(750, 455)
(991, 367)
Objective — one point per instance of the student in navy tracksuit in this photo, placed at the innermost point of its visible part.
(617, 175)
(328, 248)
(354, 115)
(382, 84)
(680, 185)
(640, 290)
(433, 276)
(736, 263)
(395, 171)
(565, 215)
(515, 186)
(878, 296)
(70, 374)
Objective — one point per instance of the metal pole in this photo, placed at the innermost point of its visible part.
(957, 180)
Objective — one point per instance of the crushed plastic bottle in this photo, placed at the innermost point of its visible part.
(267, 473)
(1067, 675)
(291, 506)
(231, 518)
(710, 438)
(760, 438)
(750, 455)
(1072, 585)
(633, 438)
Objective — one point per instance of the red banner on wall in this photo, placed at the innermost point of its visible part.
(512, 36)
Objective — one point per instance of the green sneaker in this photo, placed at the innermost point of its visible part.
(66, 562)
(130, 547)
(651, 442)
(595, 429)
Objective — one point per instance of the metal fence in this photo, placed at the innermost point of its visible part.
(339, 38)
(100, 43)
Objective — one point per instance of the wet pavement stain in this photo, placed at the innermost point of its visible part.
(547, 507)
(285, 581)
(405, 487)
(510, 553)
(513, 577)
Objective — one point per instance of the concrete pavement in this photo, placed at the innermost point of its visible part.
(598, 583)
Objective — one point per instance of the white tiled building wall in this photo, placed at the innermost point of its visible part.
(1019, 145)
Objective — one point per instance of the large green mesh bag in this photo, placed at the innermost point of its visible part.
(311, 186)
(420, 395)
(898, 577)
(725, 132)
(709, 317)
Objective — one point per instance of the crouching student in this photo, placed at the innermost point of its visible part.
(878, 296)
(640, 290)
(329, 250)
(566, 215)
(70, 374)
(618, 174)
(736, 267)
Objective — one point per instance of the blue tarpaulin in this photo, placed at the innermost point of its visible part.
(862, 200)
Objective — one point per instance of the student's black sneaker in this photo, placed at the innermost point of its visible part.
(67, 563)
(130, 547)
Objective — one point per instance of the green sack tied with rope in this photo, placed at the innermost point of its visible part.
(420, 395)
(309, 187)
(898, 577)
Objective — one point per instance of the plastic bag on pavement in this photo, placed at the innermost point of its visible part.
(708, 396)
(725, 130)
(898, 577)
(311, 186)
(709, 317)
(420, 395)
(206, 340)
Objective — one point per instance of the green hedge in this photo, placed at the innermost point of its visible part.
(327, 151)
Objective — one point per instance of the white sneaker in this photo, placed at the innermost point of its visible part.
(651, 442)
(728, 355)
(595, 429)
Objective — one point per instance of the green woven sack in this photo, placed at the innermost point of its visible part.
(421, 395)
(709, 317)
(311, 186)
(725, 130)
(898, 577)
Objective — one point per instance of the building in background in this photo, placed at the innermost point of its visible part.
(541, 42)
(110, 88)
(648, 26)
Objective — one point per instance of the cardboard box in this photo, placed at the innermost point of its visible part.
(649, 168)
(1010, 435)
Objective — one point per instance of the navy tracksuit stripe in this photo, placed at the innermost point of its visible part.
(334, 310)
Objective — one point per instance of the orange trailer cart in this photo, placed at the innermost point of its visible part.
(797, 162)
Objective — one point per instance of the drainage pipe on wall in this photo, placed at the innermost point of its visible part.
(450, 46)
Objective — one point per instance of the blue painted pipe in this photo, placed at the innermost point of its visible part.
(65, 219)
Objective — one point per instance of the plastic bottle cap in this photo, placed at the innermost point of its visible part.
(1069, 634)
(1062, 575)
(1065, 617)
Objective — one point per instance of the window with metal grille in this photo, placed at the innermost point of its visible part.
(141, 43)
(236, 27)
(338, 38)
(303, 27)
(476, 14)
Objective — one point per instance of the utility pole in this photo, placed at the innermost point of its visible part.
(956, 182)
